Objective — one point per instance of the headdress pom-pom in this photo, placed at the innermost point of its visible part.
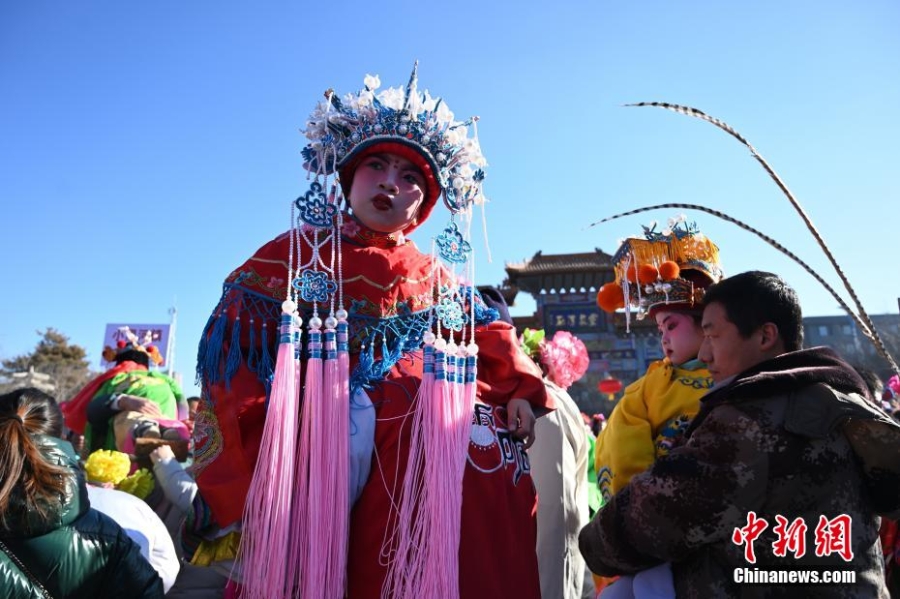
(631, 273)
(610, 297)
(648, 274)
(669, 270)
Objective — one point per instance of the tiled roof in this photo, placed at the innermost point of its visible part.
(560, 272)
(539, 263)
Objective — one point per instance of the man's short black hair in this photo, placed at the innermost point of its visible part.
(753, 298)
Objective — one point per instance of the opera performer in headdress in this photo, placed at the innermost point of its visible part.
(364, 418)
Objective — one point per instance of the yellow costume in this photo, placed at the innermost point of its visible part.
(655, 410)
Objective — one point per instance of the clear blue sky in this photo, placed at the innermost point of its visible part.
(148, 148)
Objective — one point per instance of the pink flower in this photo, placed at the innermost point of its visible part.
(565, 357)
(894, 384)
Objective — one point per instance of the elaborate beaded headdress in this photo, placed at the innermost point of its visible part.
(342, 130)
(668, 268)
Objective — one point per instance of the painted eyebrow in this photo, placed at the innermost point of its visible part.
(411, 168)
(408, 167)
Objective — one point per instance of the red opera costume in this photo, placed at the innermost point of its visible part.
(391, 284)
(364, 418)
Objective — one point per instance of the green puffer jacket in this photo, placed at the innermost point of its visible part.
(78, 553)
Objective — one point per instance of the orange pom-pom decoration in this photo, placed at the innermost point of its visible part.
(647, 274)
(669, 270)
(631, 275)
(610, 297)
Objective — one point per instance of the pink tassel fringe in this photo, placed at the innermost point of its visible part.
(426, 561)
(313, 569)
(267, 512)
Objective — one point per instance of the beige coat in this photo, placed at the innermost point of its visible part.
(559, 464)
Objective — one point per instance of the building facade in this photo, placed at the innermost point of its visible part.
(564, 287)
(842, 335)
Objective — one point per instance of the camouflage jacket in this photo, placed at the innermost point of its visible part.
(792, 437)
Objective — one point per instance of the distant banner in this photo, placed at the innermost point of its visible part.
(158, 335)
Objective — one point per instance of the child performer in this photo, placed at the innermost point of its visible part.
(664, 276)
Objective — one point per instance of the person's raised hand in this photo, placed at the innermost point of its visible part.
(520, 420)
(132, 403)
(163, 452)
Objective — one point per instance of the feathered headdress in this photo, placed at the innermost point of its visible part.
(862, 319)
(672, 267)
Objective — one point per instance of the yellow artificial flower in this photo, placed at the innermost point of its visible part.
(139, 484)
(105, 466)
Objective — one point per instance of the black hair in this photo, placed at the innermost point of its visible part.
(24, 471)
(753, 298)
(134, 355)
(35, 408)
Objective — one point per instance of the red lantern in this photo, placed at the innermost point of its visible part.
(610, 386)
